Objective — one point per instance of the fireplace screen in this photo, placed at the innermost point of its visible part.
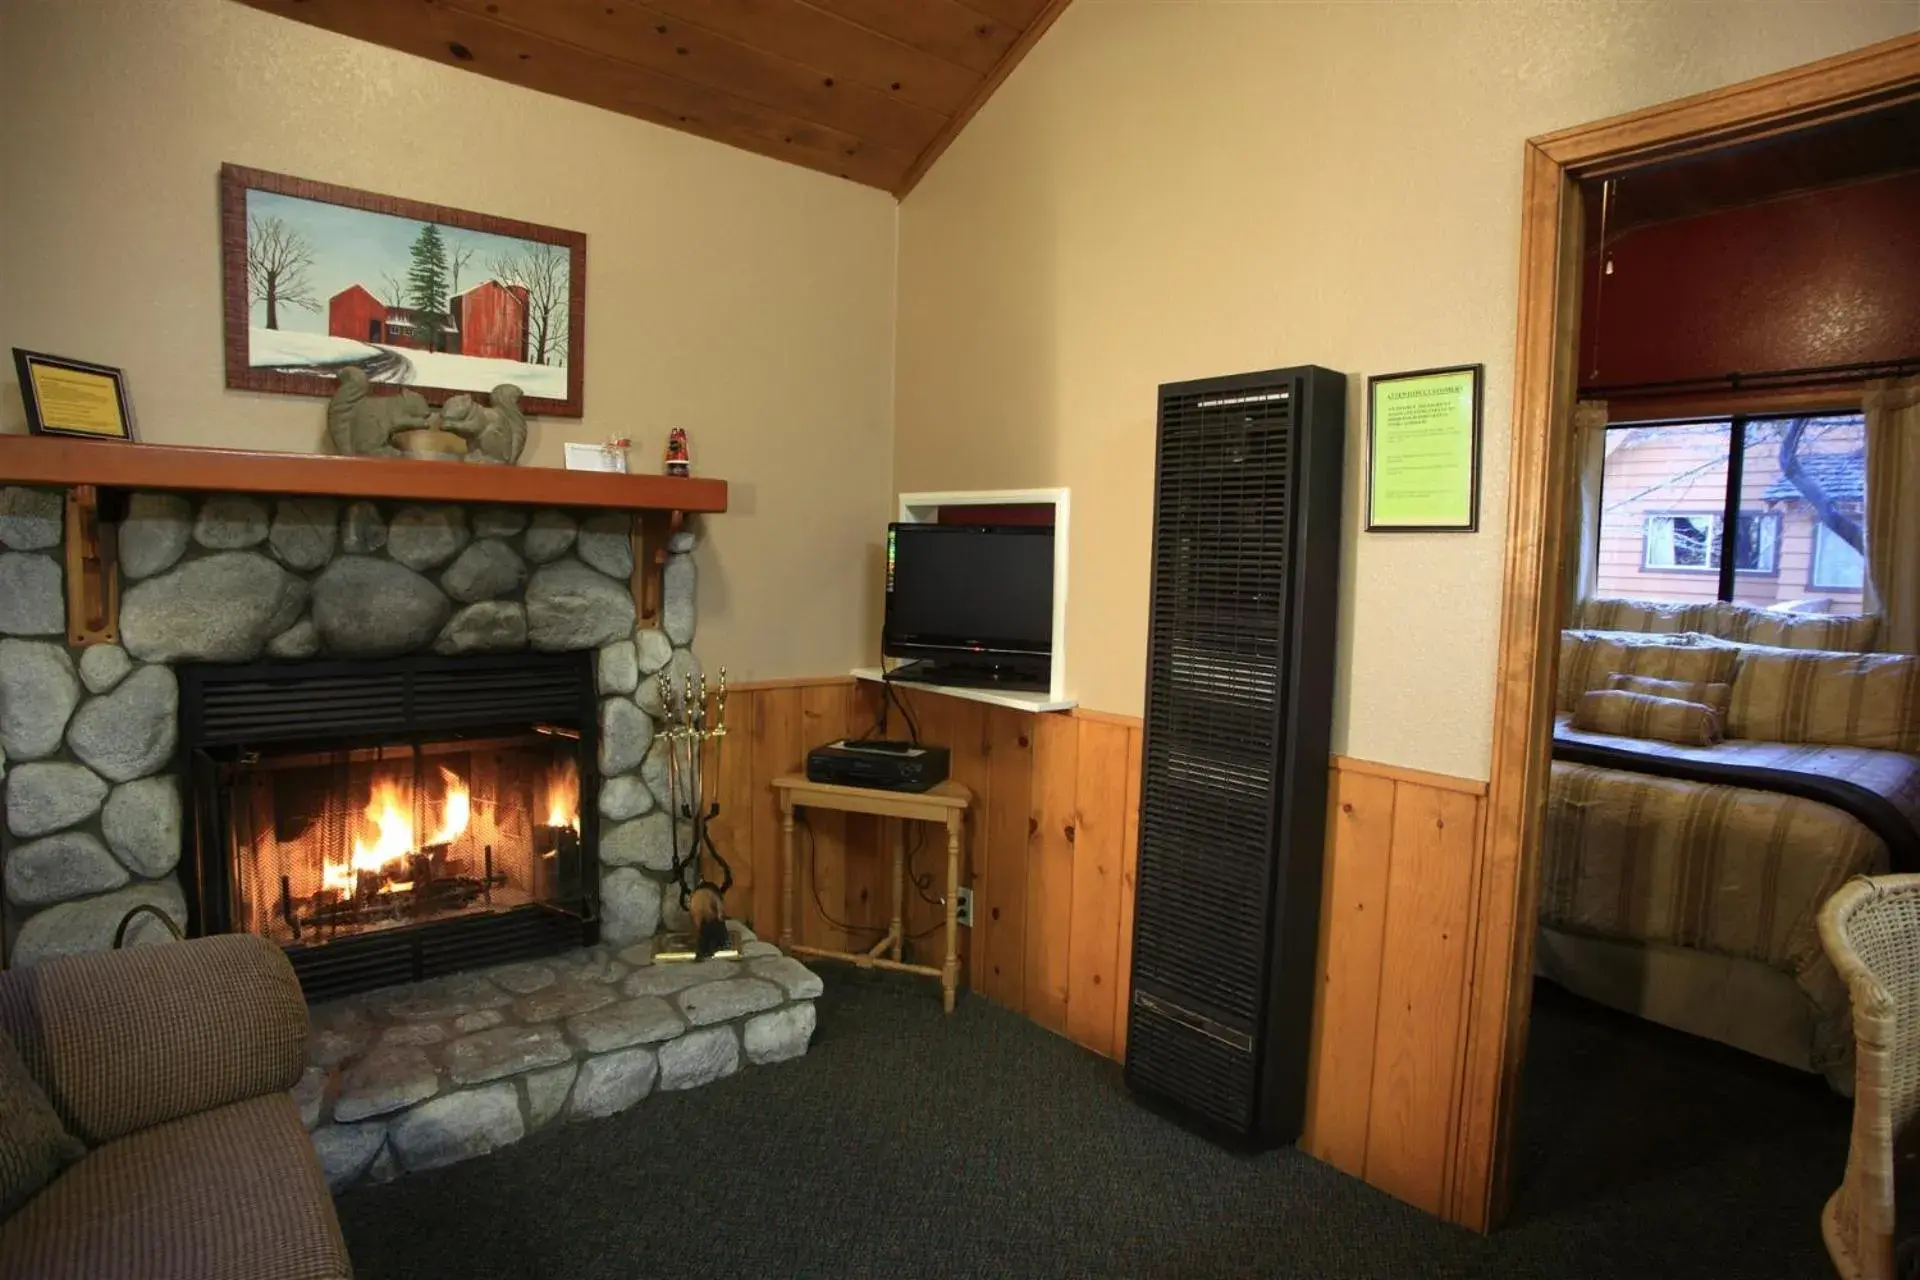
(395, 819)
(326, 845)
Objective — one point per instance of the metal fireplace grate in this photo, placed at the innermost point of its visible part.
(433, 950)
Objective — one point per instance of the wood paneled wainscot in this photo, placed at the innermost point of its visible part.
(1051, 859)
(1396, 931)
(1049, 850)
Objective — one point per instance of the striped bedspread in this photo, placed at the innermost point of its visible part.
(1725, 869)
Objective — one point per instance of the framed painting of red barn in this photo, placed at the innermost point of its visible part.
(437, 300)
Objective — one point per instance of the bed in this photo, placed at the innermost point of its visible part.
(1682, 883)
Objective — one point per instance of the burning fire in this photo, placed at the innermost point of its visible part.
(453, 822)
(390, 816)
(563, 796)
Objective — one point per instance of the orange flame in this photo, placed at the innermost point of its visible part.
(563, 796)
(390, 816)
(453, 821)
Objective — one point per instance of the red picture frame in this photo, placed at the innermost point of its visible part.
(238, 280)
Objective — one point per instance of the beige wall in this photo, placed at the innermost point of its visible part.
(1168, 191)
(746, 300)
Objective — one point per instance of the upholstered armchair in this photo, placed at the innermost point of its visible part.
(171, 1066)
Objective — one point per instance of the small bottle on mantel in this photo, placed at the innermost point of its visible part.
(679, 462)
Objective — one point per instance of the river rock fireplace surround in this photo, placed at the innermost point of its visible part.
(411, 742)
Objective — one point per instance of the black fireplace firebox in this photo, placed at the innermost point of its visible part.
(392, 820)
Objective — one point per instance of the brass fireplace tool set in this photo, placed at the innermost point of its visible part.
(700, 717)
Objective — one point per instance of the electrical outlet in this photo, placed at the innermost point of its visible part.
(964, 911)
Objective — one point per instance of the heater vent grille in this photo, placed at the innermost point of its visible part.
(1221, 550)
(1216, 1079)
(1239, 655)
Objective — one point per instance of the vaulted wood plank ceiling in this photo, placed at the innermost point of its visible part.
(869, 90)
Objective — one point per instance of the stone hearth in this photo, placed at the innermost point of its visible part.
(415, 1077)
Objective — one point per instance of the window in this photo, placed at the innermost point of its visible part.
(1756, 543)
(1794, 543)
(1682, 542)
(1836, 565)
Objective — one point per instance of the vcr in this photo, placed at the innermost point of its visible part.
(885, 766)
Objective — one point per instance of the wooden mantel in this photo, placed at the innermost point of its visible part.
(62, 463)
(95, 472)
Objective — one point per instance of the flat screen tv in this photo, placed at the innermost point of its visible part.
(970, 604)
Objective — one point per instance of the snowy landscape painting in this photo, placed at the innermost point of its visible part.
(437, 300)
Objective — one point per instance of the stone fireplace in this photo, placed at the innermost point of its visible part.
(312, 590)
(414, 745)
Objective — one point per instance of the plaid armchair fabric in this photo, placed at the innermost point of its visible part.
(125, 1040)
(172, 1063)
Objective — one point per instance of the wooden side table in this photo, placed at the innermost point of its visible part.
(945, 804)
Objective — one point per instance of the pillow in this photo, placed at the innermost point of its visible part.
(1642, 715)
(1648, 616)
(34, 1145)
(1716, 696)
(1838, 699)
(1830, 631)
(1589, 659)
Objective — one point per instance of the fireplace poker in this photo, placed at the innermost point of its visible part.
(699, 717)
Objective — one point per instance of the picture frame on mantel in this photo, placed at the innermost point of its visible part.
(76, 398)
(1423, 450)
(442, 301)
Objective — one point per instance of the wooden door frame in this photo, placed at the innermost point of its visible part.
(1499, 994)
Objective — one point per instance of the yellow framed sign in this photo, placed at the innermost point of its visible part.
(72, 397)
(1423, 451)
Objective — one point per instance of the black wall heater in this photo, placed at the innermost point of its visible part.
(1239, 706)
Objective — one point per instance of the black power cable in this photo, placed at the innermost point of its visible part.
(890, 697)
(920, 884)
(913, 726)
(813, 881)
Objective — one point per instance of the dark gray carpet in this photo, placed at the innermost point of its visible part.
(907, 1144)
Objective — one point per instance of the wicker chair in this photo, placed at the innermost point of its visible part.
(1871, 931)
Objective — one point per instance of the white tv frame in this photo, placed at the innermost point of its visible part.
(924, 508)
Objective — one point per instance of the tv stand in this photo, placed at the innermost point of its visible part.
(999, 696)
(966, 675)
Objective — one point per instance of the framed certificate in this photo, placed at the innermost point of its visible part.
(1423, 451)
(72, 397)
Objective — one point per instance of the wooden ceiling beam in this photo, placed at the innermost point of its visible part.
(435, 31)
(1028, 38)
(815, 38)
(1018, 14)
(631, 33)
(939, 27)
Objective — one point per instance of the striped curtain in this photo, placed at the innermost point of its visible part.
(1893, 512)
(1583, 504)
